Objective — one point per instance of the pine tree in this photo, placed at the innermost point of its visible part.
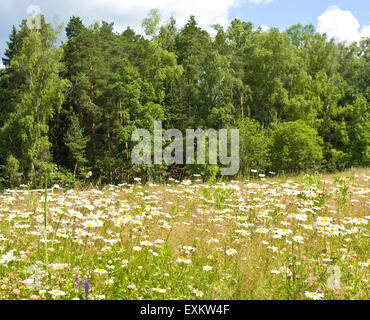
(76, 142)
(13, 47)
(74, 27)
(191, 47)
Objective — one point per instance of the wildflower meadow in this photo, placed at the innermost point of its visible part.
(288, 238)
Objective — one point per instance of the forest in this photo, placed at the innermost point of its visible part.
(68, 109)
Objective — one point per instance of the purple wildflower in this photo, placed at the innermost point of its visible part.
(78, 282)
(86, 283)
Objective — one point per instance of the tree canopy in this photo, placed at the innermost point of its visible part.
(300, 100)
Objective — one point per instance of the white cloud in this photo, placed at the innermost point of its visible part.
(123, 13)
(365, 32)
(341, 25)
(131, 12)
(265, 28)
(1, 65)
(261, 1)
(126, 13)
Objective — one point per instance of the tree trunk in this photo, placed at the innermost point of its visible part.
(93, 125)
(189, 100)
(120, 110)
(124, 124)
(242, 106)
(75, 170)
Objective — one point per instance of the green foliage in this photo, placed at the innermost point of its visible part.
(343, 188)
(151, 23)
(74, 26)
(76, 142)
(300, 101)
(13, 47)
(296, 147)
(11, 171)
(26, 130)
(311, 180)
(206, 171)
(359, 132)
(62, 177)
(254, 146)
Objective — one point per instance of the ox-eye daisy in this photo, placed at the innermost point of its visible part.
(231, 252)
(101, 271)
(314, 295)
(183, 260)
(197, 292)
(207, 268)
(57, 292)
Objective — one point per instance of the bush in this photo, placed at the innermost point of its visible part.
(296, 147)
(254, 146)
(62, 177)
(335, 160)
(12, 172)
(207, 171)
(55, 174)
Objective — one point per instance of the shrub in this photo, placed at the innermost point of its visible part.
(254, 146)
(296, 147)
(12, 172)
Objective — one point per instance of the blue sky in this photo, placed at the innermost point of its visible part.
(284, 13)
(341, 19)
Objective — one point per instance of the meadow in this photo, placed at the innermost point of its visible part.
(268, 237)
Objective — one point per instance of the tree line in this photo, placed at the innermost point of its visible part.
(299, 99)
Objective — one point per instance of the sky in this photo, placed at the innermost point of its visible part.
(344, 20)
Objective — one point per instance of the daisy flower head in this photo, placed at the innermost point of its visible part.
(285, 270)
(57, 293)
(207, 268)
(283, 232)
(58, 266)
(146, 243)
(314, 295)
(262, 230)
(189, 248)
(183, 260)
(100, 271)
(231, 252)
(298, 239)
(197, 292)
